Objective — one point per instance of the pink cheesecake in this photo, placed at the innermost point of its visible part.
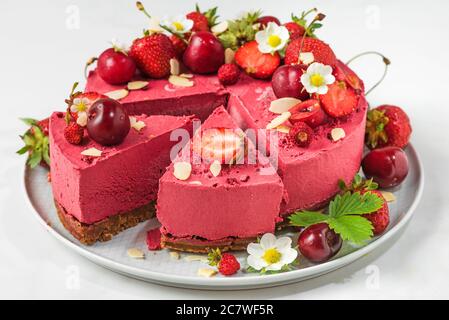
(310, 175)
(223, 210)
(115, 187)
(162, 97)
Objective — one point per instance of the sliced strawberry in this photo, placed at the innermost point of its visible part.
(309, 112)
(343, 73)
(340, 100)
(255, 63)
(223, 145)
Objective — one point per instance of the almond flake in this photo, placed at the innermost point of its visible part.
(337, 134)
(137, 125)
(174, 255)
(196, 183)
(117, 94)
(206, 272)
(284, 129)
(180, 81)
(137, 85)
(186, 75)
(92, 152)
(281, 105)
(389, 197)
(220, 27)
(174, 67)
(215, 168)
(196, 257)
(229, 55)
(306, 57)
(182, 170)
(135, 253)
(276, 122)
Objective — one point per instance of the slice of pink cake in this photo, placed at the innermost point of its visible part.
(221, 203)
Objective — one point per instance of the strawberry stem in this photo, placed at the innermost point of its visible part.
(385, 60)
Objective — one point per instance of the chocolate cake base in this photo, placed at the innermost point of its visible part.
(203, 246)
(105, 229)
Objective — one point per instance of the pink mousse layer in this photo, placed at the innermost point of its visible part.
(123, 178)
(310, 175)
(161, 97)
(240, 202)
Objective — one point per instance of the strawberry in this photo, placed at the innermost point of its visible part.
(179, 45)
(44, 125)
(74, 133)
(295, 30)
(200, 22)
(227, 263)
(321, 51)
(228, 74)
(381, 218)
(223, 145)
(255, 63)
(387, 125)
(152, 54)
(309, 112)
(302, 134)
(81, 101)
(340, 100)
(36, 142)
(343, 73)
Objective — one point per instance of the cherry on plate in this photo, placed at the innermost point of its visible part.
(318, 243)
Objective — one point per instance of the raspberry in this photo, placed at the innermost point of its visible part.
(74, 133)
(302, 134)
(228, 74)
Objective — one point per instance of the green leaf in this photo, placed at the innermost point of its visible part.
(355, 229)
(29, 121)
(307, 218)
(23, 150)
(34, 159)
(354, 204)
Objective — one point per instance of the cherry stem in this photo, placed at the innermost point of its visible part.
(318, 17)
(385, 60)
(140, 7)
(88, 63)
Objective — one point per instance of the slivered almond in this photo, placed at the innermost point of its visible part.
(306, 57)
(180, 81)
(186, 75)
(206, 272)
(337, 134)
(215, 168)
(284, 129)
(220, 27)
(137, 125)
(135, 253)
(196, 183)
(174, 255)
(276, 122)
(92, 152)
(389, 197)
(174, 67)
(196, 257)
(137, 85)
(281, 105)
(182, 170)
(117, 94)
(229, 55)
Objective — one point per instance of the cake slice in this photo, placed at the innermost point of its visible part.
(101, 190)
(310, 175)
(231, 195)
(162, 97)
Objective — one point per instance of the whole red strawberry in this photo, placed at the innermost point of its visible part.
(152, 54)
(43, 124)
(226, 263)
(381, 218)
(387, 125)
(36, 142)
(200, 22)
(295, 30)
(74, 133)
(340, 100)
(302, 134)
(321, 51)
(228, 74)
(255, 63)
(179, 45)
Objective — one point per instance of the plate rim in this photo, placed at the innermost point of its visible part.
(230, 283)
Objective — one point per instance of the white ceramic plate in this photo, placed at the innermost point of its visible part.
(159, 267)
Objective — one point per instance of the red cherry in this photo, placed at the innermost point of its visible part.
(319, 243)
(108, 123)
(387, 166)
(204, 53)
(308, 111)
(286, 82)
(115, 67)
(266, 19)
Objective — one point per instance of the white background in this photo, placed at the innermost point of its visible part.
(42, 52)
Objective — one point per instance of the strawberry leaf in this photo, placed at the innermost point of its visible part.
(354, 204)
(34, 159)
(307, 218)
(355, 229)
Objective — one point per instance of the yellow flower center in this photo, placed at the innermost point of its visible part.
(178, 26)
(274, 40)
(81, 106)
(317, 80)
(272, 256)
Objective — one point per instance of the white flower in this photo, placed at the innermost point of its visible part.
(273, 38)
(178, 24)
(119, 46)
(80, 106)
(271, 254)
(317, 77)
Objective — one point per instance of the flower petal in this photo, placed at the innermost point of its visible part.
(275, 266)
(82, 119)
(268, 241)
(288, 256)
(322, 89)
(329, 79)
(255, 249)
(256, 263)
(283, 243)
